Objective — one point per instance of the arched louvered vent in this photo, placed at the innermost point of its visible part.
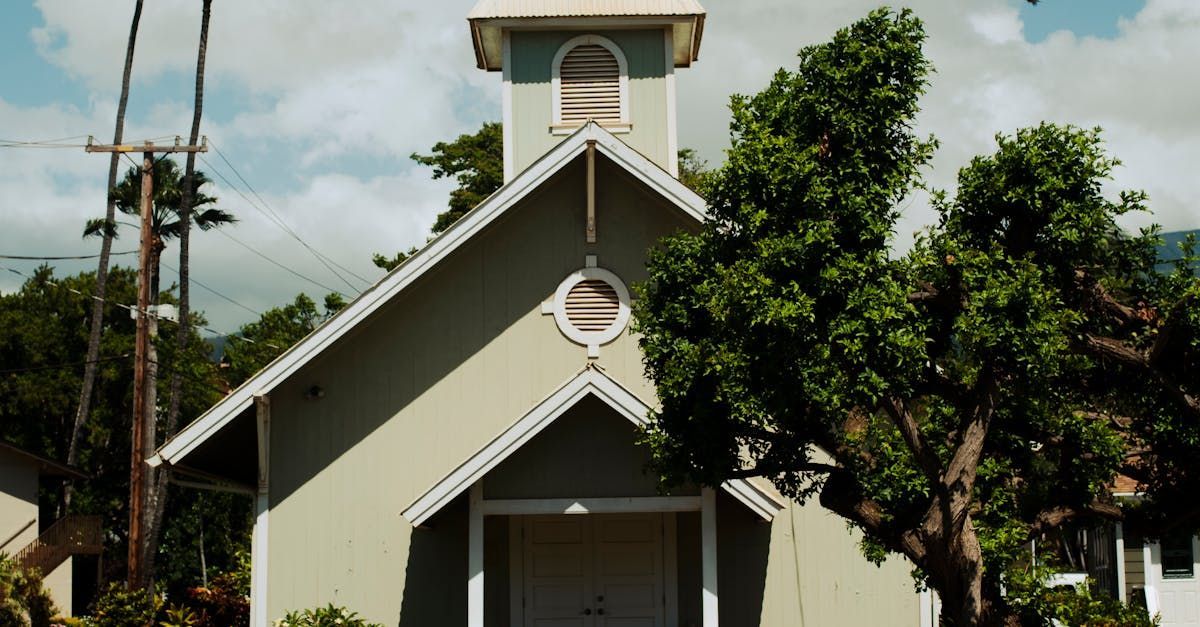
(591, 85)
(592, 305)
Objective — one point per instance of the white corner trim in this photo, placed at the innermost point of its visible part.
(708, 558)
(591, 339)
(589, 381)
(1119, 540)
(258, 562)
(669, 85)
(475, 574)
(395, 282)
(506, 96)
(556, 74)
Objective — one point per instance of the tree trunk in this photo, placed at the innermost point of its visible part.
(183, 329)
(93, 348)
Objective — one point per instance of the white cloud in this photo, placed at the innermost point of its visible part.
(316, 91)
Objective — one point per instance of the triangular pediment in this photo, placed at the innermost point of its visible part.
(591, 381)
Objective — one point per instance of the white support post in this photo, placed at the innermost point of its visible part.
(475, 558)
(1119, 533)
(262, 509)
(708, 555)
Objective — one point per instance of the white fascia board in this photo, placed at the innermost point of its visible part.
(412, 269)
(590, 381)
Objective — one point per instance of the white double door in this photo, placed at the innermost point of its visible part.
(595, 570)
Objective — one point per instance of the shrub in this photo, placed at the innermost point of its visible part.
(119, 607)
(222, 604)
(23, 601)
(328, 616)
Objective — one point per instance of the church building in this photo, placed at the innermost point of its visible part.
(460, 444)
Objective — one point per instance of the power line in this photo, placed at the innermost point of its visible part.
(231, 336)
(202, 285)
(274, 216)
(64, 365)
(254, 250)
(289, 270)
(62, 258)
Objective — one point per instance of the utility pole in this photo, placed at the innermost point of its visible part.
(144, 397)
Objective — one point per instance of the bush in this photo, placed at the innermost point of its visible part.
(23, 601)
(328, 616)
(1039, 604)
(222, 604)
(119, 607)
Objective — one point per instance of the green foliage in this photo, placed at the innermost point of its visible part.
(693, 171)
(1038, 604)
(180, 616)
(119, 607)
(168, 202)
(273, 333)
(1002, 369)
(388, 264)
(23, 601)
(328, 616)
(476, 161)
(222, 604)
(219, 523)
(43, 338)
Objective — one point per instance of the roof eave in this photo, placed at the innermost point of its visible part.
(487, 32)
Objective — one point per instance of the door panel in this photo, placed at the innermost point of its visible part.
(629, 572)
(558, 567)
(594, 571)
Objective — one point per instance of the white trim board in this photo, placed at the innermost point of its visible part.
(428, 257)
(591, 380)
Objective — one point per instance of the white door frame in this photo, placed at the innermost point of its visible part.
(705, 504)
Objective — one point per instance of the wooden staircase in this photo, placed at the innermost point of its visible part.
(70, 535)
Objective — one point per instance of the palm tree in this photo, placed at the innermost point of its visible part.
(93, 349)
(158, 501)
(167, 221)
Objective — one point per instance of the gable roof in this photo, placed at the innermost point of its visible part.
(591, 380)
(45, 465)
(396, 281)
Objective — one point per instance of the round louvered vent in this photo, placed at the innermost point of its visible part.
(591, 307)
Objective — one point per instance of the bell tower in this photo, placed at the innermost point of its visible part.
(565, 62)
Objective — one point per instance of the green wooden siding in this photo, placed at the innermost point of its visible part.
(532, 57)
(451, 362)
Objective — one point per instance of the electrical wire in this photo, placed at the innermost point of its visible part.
(291, 271)
(132, 308)
(274, 216)
(63, 257)
(192, 279)
(74, 364)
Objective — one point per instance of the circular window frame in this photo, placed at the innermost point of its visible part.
(591, 338)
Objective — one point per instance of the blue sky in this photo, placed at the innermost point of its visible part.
(319, 108)
(1084, 18)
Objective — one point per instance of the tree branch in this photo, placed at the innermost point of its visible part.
(924, 454)
(1056, 516)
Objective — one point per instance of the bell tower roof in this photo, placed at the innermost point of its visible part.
(490, 18)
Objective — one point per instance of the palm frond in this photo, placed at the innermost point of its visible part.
(100, 227)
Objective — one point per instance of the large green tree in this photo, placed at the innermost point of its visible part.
(952, 403)
(43, 350)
